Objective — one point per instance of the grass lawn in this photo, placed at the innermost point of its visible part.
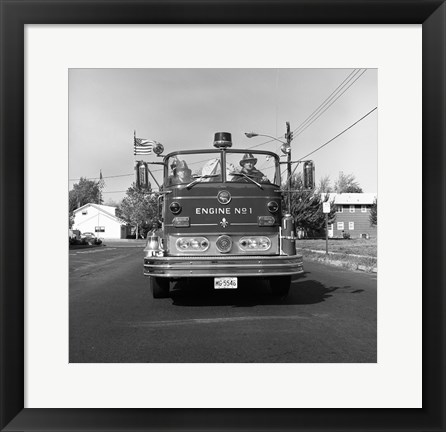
(353, 246)
(341, 253)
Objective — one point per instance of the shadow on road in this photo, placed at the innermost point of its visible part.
(251, 292)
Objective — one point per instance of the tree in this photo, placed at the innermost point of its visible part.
(112, 203)
(84, 192)
(306, 208)
(374, 213)
(324, 185)
(139, 208)
(346, 183)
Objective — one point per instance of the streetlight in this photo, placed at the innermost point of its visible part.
(285, 146)
(286, 150)
(254, 134)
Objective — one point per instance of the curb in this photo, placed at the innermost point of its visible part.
(125, 244)
(333, 253)
(74, 247)
(367, 269)
(338, 263)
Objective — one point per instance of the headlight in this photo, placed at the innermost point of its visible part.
(192, 244)
(273, 206)
(224, 244)
(175, 207)
(256, 243)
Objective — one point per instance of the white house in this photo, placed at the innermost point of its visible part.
(101, 220)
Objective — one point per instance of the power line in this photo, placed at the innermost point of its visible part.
(301, 126)
(321, 105)
(314, 151)
(323, 145)
(104, 177)
(329, 105)
(291, 175)
(115, 176)
(257, 145)
(338, 135)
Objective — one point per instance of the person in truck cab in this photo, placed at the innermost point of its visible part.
(181, 174)
(249, 170)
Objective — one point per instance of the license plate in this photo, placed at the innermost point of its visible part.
(225, 283)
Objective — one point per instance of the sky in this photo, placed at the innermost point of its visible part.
(183, 108)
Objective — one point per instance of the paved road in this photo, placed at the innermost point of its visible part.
(329, 316)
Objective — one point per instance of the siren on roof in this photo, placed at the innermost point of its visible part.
(222, 140)
(158, 148)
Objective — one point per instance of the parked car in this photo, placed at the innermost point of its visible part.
(74, 237)
(90, 238)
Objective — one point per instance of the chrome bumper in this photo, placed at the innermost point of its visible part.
(180, 267)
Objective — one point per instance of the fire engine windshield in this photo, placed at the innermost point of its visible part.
(249, 167)
(196, 167)
(206, 167)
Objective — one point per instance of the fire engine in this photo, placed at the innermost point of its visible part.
(221, 221)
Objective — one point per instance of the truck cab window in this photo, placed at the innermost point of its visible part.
(244, 167)
(197, 167)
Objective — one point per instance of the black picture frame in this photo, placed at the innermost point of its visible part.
(15, 14)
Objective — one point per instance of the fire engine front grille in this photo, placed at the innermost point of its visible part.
(225, 256)
(223, 265)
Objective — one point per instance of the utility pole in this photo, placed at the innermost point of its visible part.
(289, 138)
(326, 210)
(326, 234)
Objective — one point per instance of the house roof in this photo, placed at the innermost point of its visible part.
(108, 210)
(351, 198)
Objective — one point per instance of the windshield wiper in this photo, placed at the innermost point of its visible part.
(198, 179)
(248, 177)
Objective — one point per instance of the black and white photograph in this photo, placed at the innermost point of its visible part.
(223, 215)
(221, 165)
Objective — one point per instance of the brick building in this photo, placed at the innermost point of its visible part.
(352, 215)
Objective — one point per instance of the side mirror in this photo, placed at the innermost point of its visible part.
(309, 182)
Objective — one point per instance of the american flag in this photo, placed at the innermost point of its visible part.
(142, 146)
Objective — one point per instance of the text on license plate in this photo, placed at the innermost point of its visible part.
(225, 282)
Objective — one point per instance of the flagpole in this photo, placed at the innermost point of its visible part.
(101, 186)
(134, 157)
(135, 166)
(134, 146)
(143, 147)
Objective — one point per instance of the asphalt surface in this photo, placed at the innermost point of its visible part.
(330, 316)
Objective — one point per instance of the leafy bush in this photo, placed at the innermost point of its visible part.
(346, 235)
